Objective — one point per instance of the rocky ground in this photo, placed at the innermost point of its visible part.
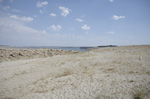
(7, 54)
(105, 73)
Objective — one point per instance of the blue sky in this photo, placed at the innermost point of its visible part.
(74, 22)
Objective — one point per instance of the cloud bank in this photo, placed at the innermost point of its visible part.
(25, 19)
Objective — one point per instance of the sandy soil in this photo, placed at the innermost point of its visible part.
(106, 73)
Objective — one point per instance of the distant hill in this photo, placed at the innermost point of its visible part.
(108, 46)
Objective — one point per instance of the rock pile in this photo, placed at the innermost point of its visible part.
(14, 54)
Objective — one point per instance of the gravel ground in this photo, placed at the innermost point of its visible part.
(106, 73)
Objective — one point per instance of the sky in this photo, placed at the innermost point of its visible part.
(74, 22)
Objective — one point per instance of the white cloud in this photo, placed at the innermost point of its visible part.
(111, 0)
(56, 27)
(85, 27)
(53, 14)
(65, 11)
(115, 17)
(111, 32)
(41, 4)
(41, 12)
(16, 33)
(25, 19)
(15, 25)
(79, 20)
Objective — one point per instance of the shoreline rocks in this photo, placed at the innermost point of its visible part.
(15, 54)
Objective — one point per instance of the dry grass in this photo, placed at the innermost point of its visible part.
(138, 95)
(148, 72)
(65, 73)
(141, 92)
(41, 90)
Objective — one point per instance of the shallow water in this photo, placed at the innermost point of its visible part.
(50, 47)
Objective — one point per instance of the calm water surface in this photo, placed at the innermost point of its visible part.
(50, 47)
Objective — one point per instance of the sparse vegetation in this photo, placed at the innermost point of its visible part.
(138, 95)
(97, 74)
(65, 73)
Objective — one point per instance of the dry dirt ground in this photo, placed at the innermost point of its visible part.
(106, 73)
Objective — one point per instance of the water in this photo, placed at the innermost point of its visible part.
(52, 47)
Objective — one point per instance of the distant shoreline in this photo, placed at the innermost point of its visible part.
(80, 48)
